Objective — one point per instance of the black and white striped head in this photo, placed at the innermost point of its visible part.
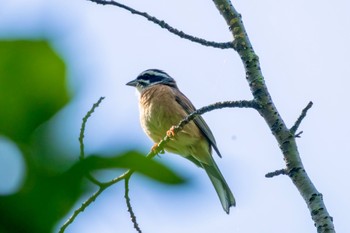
(152, 77)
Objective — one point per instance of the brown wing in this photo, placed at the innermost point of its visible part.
(199, 121)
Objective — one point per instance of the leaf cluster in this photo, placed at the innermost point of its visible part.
(32, 90)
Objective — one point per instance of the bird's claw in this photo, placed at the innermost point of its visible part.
(171, 132)
(154, 147)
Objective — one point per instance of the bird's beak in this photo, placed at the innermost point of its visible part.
(132, 83)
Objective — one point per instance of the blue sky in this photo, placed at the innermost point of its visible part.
(303, 48)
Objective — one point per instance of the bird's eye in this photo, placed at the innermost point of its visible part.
(150, 78)
(144, 82)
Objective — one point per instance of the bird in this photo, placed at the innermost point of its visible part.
(162, 105)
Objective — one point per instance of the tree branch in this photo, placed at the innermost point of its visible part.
(81, 137)
(83, 206)
(296, 125)
(128, 204)
(83, 126)
(162, 24)
(276, 173)
(269, 112)
(219, 105)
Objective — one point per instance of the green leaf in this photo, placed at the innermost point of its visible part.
(45, 197)
(136, 161)
(32, 86)
(32, 90)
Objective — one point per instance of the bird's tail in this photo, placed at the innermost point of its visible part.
(222, 189)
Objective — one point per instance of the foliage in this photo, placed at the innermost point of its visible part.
(32, 90)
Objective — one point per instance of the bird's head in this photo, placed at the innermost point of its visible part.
(151, 77)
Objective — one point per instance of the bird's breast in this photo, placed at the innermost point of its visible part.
(159, 111)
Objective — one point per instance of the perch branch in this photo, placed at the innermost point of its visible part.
(218, 105)
(162, 24)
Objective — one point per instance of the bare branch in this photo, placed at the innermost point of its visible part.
(80, 209)
(81, 138)
(298, 135)
(276, 173)
(218, 105)
(128, 204)
(301, 118)
(162, 24)
(269, 112)
(83, 125)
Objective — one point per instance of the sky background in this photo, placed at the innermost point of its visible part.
(304, 50)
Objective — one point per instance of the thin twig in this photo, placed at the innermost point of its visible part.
(297, 135)
(276, 173)
(81, 138)
(301, 117)
(83, 125)
(128, 204)
(81, 209)
(162, 24)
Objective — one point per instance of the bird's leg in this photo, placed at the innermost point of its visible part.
(171, 133)
(155, 149)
